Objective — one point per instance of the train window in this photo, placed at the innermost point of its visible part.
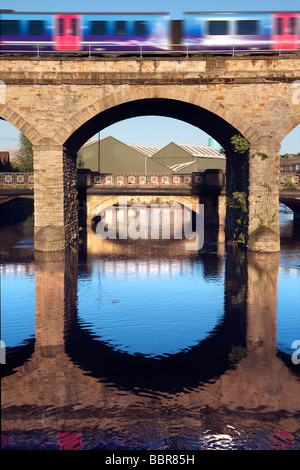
(60, 27)
(73, 27)
(98, 28)
(36, 27)
(120, 28)
(247, 27)
(279, 26)
(11, 27)
(293, 25)
(140, 28)
(217, 27)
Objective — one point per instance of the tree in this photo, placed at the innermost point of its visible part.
(24, 157)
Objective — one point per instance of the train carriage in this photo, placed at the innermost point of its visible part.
(126, 32)
(244, 31)
(98, 32)
(136, 33)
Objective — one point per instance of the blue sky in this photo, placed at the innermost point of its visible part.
(150, 130)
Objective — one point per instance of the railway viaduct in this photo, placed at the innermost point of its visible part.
(60, 102)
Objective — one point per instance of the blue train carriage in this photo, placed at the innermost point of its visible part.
(95, 32)
(245, 31)
(25, 31)
(126, 32)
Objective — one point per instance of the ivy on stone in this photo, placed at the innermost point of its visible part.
(240, 144)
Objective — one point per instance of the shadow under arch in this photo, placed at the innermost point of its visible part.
(192, 114)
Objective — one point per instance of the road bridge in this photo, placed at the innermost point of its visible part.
(104, 190)
(59, 104)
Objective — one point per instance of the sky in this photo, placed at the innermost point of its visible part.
(150, 130)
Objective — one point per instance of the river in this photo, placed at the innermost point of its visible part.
(144, 345)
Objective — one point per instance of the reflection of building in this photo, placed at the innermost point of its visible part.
(109, 155)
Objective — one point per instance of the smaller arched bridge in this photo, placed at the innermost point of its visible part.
(207, 188)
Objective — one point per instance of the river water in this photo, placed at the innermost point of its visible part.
(145, 345)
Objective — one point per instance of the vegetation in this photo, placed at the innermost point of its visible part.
(238, 201)
(290, 155)
(24, 158)
(6, 166)
(289, 185)
(240, 144)
(262, 155)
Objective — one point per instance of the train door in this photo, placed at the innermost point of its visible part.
(285, 31)
(67, 35)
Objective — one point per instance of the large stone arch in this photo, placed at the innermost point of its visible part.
(140, 100)
(251, 176)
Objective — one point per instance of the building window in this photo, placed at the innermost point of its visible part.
(36, 28)
(217, 28)
(120, 28)
(140, 28)
(9, 27)
(297, 167)
(99, 28)
(282, 168)
(247, 27)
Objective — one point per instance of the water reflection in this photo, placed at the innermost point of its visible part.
(94, 372)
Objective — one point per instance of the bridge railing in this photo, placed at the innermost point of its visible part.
(147, 180)
(110, 180)
(185, 48)
(25, 180)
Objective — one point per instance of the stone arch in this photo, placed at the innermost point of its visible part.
(12, 117)
(155, 100)
(287, 125)
(101, 203)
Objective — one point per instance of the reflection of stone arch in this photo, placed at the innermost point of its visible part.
(206, 361)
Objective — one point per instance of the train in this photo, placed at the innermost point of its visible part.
(142, 33)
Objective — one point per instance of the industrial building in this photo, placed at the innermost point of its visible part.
(109, 155)
(188, 158)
